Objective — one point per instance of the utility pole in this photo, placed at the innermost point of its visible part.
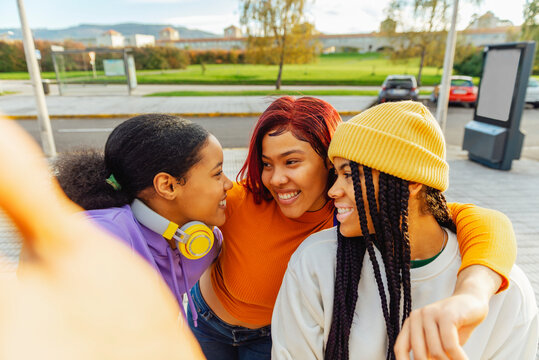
(443, 96)
(45, 129)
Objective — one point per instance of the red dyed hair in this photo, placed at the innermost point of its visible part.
(309, 119)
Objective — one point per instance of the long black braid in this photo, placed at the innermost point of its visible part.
(390, 219)
(388, 239)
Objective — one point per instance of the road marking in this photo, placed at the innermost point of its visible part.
(85, 130)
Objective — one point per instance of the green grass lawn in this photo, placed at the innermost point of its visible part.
(331, 69)
(328, 70)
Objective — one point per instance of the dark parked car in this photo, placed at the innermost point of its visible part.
(398, 87)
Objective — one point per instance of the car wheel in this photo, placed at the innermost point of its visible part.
(536, 105)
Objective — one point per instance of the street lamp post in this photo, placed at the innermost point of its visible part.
(45, 129)
(443, 96)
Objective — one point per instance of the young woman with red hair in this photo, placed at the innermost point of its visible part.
(279, 200)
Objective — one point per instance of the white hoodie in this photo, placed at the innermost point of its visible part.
(304, 308)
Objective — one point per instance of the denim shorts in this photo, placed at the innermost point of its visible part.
(222, 341)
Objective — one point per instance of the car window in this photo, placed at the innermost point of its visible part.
(400, 83)
(461, 82)
(533, 83)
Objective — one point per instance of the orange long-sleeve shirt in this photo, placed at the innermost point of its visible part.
(259, 241)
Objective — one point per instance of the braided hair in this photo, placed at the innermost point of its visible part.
(389, 215)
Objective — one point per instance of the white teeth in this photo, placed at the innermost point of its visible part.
(288, 195)
(344, 210)
(222, 203)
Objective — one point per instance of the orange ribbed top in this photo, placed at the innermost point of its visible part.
(259, 241)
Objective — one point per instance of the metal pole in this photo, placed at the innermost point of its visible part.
(42, 114)
(443, 97)
(56, 72)
(127, 77)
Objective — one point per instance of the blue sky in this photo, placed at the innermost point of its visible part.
(330, 16)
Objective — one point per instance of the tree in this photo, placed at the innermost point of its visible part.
(530, 27)
(425, 36)
(277, 32)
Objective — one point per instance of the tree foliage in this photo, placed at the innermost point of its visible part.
(471, 65)
(278, 33)
(424, 35)
(530, 28)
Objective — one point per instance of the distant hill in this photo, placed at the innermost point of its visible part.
(90, 31)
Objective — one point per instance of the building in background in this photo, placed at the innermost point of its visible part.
(487, 21)
(233, 32)
(169, 34)
(110, 38)
(140, 40)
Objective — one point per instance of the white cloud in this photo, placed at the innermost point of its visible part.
(345, 16)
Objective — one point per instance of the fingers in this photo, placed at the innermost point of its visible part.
(402, 346)
(433, 340)
(417, 337)
(450, 340)
(429, 334)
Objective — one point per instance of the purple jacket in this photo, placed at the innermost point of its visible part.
(179, 273)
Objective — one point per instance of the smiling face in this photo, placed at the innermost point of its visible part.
(343, 193)
(202, 196)
(294, 173)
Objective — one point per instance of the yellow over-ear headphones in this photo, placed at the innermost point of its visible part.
(193, 240)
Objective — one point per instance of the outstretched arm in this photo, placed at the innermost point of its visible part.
(488, 247)
(440, 329)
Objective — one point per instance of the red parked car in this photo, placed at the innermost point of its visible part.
(462, 91)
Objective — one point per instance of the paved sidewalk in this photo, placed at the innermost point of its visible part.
(112, 100)
(68, 106)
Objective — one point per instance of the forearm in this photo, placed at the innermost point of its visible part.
(479, 281)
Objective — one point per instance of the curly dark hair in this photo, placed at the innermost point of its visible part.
(136, 150)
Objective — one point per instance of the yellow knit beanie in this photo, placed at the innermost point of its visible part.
(401, 139)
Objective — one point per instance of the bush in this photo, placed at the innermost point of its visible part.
(12, 57)
(217, 56)
(471, 65)
(160, 58)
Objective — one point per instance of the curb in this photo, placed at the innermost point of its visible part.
(117, 116)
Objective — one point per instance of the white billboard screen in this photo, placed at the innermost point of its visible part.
(498, 83)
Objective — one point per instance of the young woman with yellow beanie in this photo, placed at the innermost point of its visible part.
(348, 289)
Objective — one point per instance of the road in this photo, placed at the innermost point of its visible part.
(235, 131)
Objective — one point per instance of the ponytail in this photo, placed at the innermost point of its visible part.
(82, 175)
